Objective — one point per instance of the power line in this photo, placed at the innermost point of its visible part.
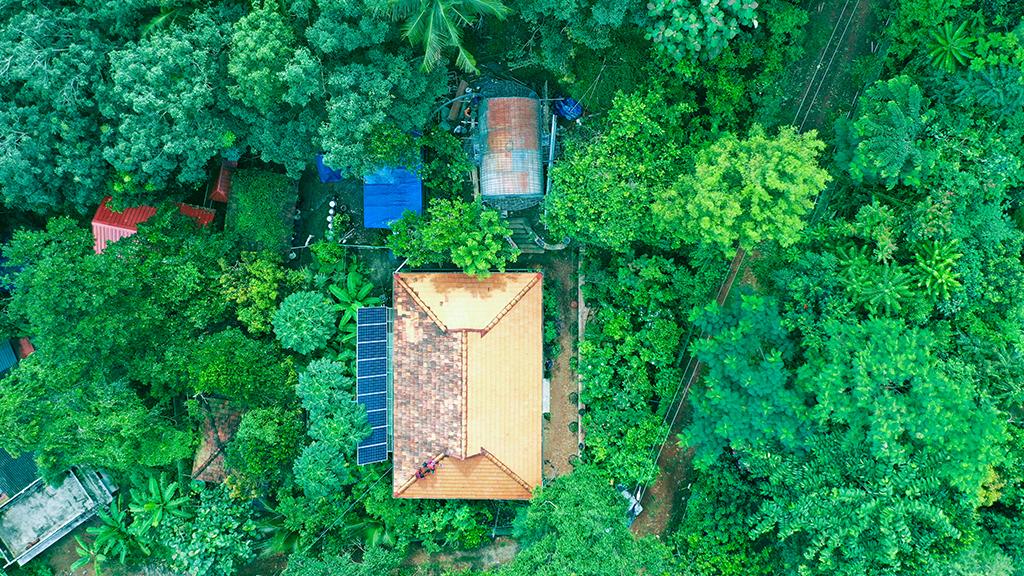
(346, 511)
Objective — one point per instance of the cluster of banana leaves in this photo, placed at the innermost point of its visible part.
(350, 287)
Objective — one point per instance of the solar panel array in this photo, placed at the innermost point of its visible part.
(372, 381)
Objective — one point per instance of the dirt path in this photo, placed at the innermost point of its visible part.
(665, 498)
(560, 440)
(493, 554)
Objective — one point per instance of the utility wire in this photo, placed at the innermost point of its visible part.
(346, 511)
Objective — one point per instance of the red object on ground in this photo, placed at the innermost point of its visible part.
(109, 226)
(222, 190)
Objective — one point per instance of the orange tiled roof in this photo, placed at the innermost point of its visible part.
(467, 385)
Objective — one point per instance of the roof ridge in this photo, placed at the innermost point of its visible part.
(511, 304)
(501, 465)
(419, 301)
(465, 393)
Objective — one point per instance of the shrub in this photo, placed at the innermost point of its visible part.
(305, 322)
(260, 210)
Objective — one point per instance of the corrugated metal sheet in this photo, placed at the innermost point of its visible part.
(109, 226)
(24, 348)
(16, 474)
(468, 359)
(7, 357)
(509, 137)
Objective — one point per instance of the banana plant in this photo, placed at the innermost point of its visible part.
(89, 554)
(155, 499)
(114, 536)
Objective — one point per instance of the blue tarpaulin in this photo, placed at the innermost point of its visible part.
(327, 174)
(389, 192)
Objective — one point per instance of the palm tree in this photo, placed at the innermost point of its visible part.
(436, 25)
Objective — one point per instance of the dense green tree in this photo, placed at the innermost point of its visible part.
(267, 442)
(577, 525)
(230, 364)
(748, 399)
(262, 45)
(305, 322)
(599, 185)
(51, 132)
(744, 192)
(216, 540)
(692, 29)
(467, 234)
(336, 425)
(255, 284)
(170, 116)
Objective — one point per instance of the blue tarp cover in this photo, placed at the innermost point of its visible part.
(327, 174)
(388, 193)
(7, 357)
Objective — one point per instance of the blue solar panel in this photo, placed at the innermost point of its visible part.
(374, 401)
(371, 385)
(371, 454)
(372, 350)
(372, 315)
(372, 381)
(378, 367)
(377, 418)
(371, 333)
(378, 436)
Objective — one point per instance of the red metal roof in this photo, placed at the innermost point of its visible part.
(109, 226)
(511, 163)
(222, 190)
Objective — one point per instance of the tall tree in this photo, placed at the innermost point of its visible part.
(744, 192)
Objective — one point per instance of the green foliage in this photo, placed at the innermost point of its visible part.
(749, 401)
(267, 442)
(692, 29)
(598, 186)
(261, 46)
(436, 26)
(577, 525)
(305, 322)
(216, 541)
(467, 234)
(883, 144)
(260, 209)
(446, 164)
(113, 333)
(254, 285)
(89, 554)
(745, 192)
(336, 425)
(713, 536)
(163, 94)
(115, 537)
(156, 499)
(998, 90)
(377, 561)
(230, 364)
(950, 48)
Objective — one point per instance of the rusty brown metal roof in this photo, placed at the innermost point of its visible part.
(220, 423)
(510, 165)
(467, 385)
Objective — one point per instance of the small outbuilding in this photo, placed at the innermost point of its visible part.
(508, 144)
(220, 424)
(33, 514)
(109, 226)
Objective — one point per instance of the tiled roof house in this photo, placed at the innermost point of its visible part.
(467, 365)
